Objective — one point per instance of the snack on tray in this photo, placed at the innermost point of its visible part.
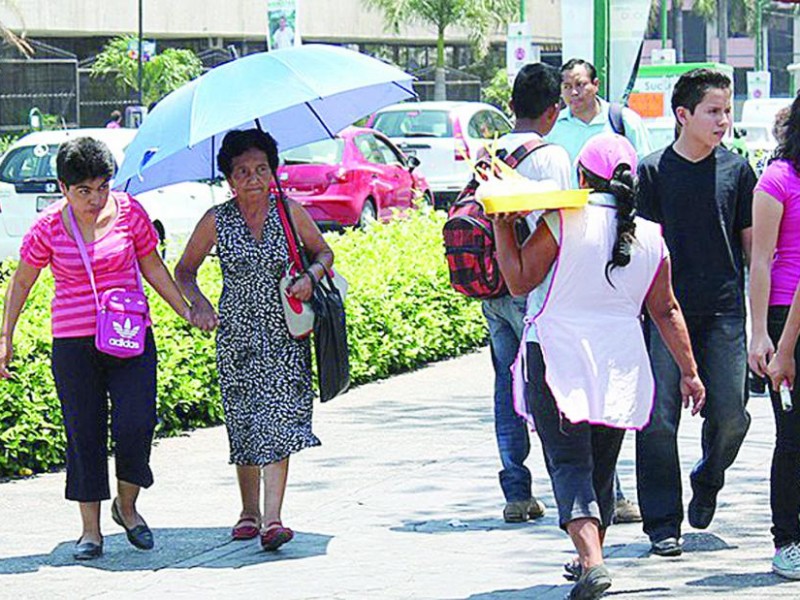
(520, 194)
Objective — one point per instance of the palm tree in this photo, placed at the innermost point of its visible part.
(719, 11)
(743, 15)
(18, 41)
(676, 13)
(478, 17)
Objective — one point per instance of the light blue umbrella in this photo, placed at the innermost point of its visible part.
(299, 95)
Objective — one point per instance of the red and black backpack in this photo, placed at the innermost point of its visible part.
(469, 237)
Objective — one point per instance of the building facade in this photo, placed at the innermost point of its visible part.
(77, 30)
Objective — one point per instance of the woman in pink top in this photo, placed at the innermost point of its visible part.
(589, 377)
(774, 276)
(120, 242)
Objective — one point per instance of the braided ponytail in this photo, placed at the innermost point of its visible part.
(621, 186)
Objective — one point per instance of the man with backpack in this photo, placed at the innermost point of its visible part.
(587, 114)
(535, 103)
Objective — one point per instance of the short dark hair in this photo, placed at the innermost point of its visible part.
(536, 87)
(236, 142)
(83, 158)
(693, 85)
(579, 62)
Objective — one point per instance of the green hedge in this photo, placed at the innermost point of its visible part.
(401, 314)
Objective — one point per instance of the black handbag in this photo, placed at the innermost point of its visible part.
(330, 339)
(330, 327)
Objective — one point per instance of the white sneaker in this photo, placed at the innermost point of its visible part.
(786, 562)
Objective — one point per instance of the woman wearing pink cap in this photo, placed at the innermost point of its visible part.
(588, 374)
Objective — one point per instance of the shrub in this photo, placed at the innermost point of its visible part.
(6, 141)
(498, 92)
(401, 314)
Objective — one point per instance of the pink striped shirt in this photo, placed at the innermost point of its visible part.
(47, 243)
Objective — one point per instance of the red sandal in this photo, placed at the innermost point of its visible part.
(246, 528)
(274, 538)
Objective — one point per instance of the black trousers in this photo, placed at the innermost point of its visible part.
(785, 476)
(86, 380)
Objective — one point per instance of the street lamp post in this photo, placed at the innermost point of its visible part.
(139, 53)
(601, 43)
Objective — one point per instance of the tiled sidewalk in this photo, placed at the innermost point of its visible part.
(401, 501)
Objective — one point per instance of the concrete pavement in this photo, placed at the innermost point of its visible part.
(400, 502)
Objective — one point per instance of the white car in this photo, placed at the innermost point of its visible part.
(28, 186)
(442, 135)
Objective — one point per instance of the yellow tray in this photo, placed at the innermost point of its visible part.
(523, 202)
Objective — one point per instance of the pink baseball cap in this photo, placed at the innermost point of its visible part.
(603, 153)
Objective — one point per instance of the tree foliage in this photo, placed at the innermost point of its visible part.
(498, 92)
(742, 13)
(18, 41)
(401, 314)
(478, 17)
(163, 73)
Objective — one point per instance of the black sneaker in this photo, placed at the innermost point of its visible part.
(592, 583)
(702, 507)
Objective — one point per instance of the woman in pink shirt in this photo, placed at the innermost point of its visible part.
(774, 275)
(120, 242)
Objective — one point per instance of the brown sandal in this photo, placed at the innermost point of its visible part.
(246, 528)
(275, 537)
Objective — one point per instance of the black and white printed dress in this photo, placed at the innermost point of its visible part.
(264, 373)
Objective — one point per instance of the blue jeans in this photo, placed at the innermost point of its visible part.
(720, 350)
(505, 318)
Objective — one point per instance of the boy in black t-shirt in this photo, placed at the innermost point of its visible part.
(701, 194)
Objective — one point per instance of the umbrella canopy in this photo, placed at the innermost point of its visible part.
(299, 95)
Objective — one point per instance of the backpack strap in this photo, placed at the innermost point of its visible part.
(525, 150)
(615, 118)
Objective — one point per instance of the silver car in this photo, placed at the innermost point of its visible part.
(442, 135)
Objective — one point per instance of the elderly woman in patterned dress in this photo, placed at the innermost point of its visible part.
(264, 373)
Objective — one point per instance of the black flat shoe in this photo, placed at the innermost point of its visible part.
(87, 550)
(139, 536)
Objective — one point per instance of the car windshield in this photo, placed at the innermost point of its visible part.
(29, 163)
(414, 123)
(325, 152)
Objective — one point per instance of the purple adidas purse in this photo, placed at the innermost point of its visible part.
(121, 313)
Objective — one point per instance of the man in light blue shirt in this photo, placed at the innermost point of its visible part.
(586, 114)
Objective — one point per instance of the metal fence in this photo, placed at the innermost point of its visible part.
(53, 81)
(459, 85)
(98, 96)
(101, 95)
(48, 81)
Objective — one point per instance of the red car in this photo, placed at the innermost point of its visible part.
(358, 176)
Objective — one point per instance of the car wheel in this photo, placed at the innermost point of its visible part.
(369, 214)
